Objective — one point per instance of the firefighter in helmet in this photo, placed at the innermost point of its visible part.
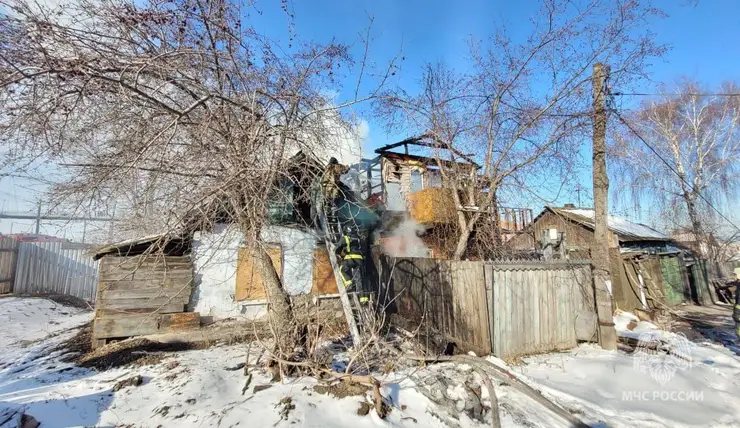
(330, 180)
(350, 249)
(332, 194)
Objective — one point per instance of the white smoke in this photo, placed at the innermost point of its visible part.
(404, 240)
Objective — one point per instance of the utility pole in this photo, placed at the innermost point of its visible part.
(600, 248)
(38, 219)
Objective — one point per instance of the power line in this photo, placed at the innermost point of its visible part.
(670, 167)
(693, 94)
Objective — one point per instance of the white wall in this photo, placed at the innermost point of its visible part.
(214, 262)
(298, 249)
(215, 256)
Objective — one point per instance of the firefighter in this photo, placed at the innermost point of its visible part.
(330, 180)
(350, 249)
(332, 193)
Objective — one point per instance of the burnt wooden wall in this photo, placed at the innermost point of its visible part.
(142, 295)
(449, 296)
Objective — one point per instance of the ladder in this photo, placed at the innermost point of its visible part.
(350, 301)
(356, 313)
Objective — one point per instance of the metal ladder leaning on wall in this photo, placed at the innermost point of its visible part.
(354, 312)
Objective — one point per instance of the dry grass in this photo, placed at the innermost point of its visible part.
(78, 350)
(342, 389)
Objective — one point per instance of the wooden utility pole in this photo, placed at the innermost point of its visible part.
(600, 247)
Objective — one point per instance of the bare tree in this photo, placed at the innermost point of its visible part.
(699, 138)
(180, 105)
(523, 109)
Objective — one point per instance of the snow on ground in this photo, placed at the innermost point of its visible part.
(695, 384)
(198, 389)
(30, 319)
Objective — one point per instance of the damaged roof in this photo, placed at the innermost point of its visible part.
(169, 244)
(625, 229)
(426, 141)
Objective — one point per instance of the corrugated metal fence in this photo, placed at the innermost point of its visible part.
(50, 268)
(539, 307)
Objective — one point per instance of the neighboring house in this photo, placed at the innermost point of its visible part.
(568, 232)
(712, 248)
(648, 269)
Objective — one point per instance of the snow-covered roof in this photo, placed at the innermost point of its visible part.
(627, 230)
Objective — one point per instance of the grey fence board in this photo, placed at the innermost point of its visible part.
(8, 252)
(529, 307)
(50, 268)
(539, 307)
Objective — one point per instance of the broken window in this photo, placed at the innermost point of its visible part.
(280, 204)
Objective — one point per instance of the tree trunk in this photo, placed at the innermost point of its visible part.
(497, 241)
(696, 227)
(462, 243)
(279, 310)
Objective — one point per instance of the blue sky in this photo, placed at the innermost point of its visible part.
(703, 37)
(704, 40)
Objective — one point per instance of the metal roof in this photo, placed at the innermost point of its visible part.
(627, 230)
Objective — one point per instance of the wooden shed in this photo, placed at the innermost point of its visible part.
(144, 286)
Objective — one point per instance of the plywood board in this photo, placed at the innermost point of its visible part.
(249, 282)
(322, 281)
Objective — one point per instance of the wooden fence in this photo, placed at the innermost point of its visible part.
(539, 307)
(52, 268)
(445, 295)
(8, 250)
(506, 309)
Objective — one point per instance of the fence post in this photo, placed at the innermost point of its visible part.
(488, 283)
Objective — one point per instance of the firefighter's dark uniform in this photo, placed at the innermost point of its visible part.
(332, 195)
(330, 182)
(352, 261)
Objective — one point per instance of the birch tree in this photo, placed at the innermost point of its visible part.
(523, 107)
(698, 136)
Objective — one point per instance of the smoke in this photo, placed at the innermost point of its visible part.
(404, 240)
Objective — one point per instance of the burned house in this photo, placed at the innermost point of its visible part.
(416, 179)
(228, 285)
(206, 272)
